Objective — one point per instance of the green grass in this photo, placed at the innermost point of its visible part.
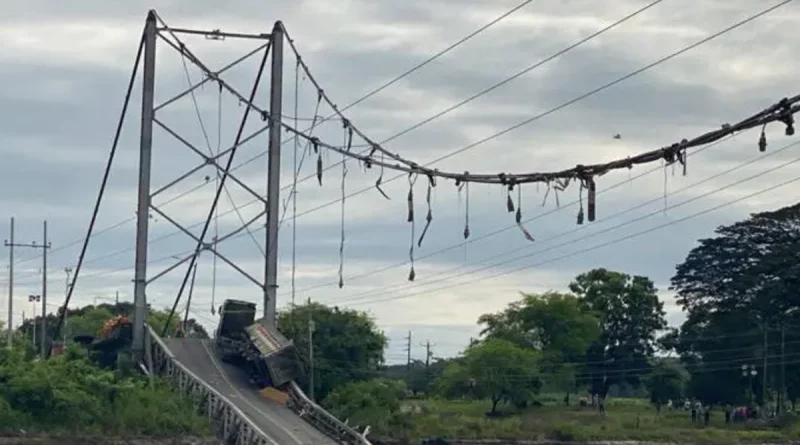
(625, 419)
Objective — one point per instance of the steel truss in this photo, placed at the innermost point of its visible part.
(157, 30)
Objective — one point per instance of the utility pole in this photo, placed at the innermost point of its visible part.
(143, 200)
(10, 244)
(428, 353)
(273, 176)
(764, 375)
(408, 359)
(311, 329)
(783, 369)
(428, 356)
(68, 271)
(45, 246)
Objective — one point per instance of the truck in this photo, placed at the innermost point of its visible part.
(269, 358)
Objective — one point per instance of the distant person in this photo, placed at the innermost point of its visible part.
(707, 415)
(728, 409)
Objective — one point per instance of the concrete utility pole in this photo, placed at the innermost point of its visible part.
(764, 375)
(408, 356)
(311, 329)
(274, 176)
(143, 205)
(45, 246)
(10, 244)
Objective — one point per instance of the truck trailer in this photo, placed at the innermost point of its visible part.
(270, 359)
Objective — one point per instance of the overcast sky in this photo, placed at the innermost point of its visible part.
(65, 69)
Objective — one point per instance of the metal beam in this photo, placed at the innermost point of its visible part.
(216, 34)
(274, 177)
(145, 155)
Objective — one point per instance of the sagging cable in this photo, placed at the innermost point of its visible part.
(380, 180)
(518, 216)
(412, 179)
(429, 216)
(341, 240)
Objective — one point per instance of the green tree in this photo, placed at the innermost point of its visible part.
(738, 289)
(347, 344)
(556, 324)
(496, 370)
(630, 315)
(664, 383)
(374, 403)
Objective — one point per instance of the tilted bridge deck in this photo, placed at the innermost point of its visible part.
(277, 421)
(239, 414)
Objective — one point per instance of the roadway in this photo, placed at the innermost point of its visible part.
(282, 425)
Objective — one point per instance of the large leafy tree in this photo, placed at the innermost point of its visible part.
(631, 315)
(665, 382)
(556, 324)
(347, 344)
(752, 265)
(738, 289)
(496, 370)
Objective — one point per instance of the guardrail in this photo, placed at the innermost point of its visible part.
(323, 420)
(230, 424)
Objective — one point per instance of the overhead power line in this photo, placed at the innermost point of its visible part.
(449, 276)
(588, 249)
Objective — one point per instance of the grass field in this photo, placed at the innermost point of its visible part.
(625, 419)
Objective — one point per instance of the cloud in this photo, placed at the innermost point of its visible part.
(68, 66)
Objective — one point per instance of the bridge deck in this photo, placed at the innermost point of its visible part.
(282, 425)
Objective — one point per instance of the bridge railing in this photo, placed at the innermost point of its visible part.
(230, 423)
(323, 420)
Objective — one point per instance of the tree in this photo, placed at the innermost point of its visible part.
(738, 289)
(664, 383)
(347, 344)
(374, 403)
(497, 370)
(630, 317)
(556, 324)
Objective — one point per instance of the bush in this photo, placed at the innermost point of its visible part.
(69, 394)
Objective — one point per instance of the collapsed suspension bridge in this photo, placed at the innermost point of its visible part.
(212, 371)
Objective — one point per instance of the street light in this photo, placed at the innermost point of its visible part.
(750, 371)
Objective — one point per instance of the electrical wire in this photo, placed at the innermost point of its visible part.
(383, 291)
(509, 227)
(493, 87)
(589, 249)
